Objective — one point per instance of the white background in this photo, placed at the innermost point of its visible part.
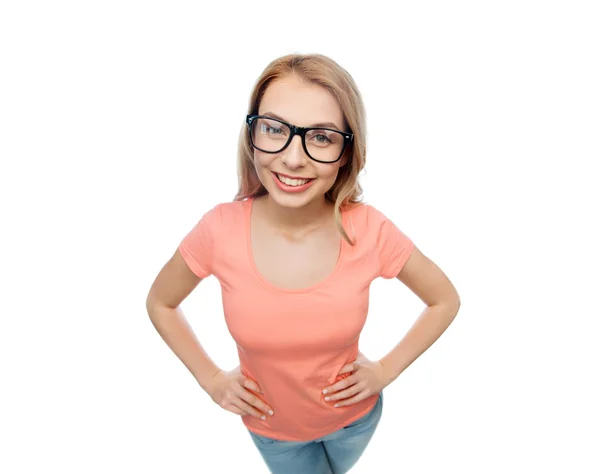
(118, 130)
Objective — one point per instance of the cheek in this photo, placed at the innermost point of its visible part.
(261, 161)
(329, 173)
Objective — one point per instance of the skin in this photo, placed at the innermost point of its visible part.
(366, 378)
(302, 104)
(299, 226)
(296, 227)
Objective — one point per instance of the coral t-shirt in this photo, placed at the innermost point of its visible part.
(294, 342)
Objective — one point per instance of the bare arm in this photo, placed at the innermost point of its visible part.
(426, 280)
(172, 285)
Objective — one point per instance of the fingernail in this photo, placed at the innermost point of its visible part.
(336, 405)
(263, 417)
(326, 399)
(271, 412)
(324, 390)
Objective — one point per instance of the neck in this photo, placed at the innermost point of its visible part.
(304, 218)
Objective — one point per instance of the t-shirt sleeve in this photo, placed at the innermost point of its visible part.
(197, 247)
(393, 246)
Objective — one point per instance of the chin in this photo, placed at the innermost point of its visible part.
(290, 201)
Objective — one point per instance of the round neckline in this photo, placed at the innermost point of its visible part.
(248, 230)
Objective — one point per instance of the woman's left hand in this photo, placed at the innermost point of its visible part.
(366, 378)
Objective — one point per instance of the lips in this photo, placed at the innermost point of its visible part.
(292, 177)
(291, 180)
(292, 185)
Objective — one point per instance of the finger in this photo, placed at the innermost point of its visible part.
(252, 385)
(228, 404)
(256, 402)
(247, 408)
(234, 409)
(347, 393)
(340, 385)
(351, 401)
(347, 368)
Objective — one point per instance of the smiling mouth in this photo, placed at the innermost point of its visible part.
(291, 181)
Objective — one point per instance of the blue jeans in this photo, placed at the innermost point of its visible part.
(334, 453)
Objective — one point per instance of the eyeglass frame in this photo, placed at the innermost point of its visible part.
(301, 131)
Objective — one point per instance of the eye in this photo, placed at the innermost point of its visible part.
(322, 138)
(274, 130)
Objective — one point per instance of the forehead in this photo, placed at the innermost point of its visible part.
(301, 103)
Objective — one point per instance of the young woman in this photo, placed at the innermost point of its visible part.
(295, 254)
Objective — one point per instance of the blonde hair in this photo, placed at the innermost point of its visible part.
(323, 71)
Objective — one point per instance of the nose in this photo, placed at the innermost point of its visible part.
(294, 155)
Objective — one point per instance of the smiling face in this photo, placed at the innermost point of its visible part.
(303, 104)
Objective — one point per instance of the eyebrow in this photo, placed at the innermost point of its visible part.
(320, 124)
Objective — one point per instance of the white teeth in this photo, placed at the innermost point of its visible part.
(292, 182)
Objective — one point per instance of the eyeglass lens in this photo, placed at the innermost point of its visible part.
(271, 136)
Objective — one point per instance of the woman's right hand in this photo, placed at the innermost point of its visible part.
(231, 391)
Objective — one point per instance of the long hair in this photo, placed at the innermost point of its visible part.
(323, 71)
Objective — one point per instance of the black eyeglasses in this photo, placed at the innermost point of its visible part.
(270, 135)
